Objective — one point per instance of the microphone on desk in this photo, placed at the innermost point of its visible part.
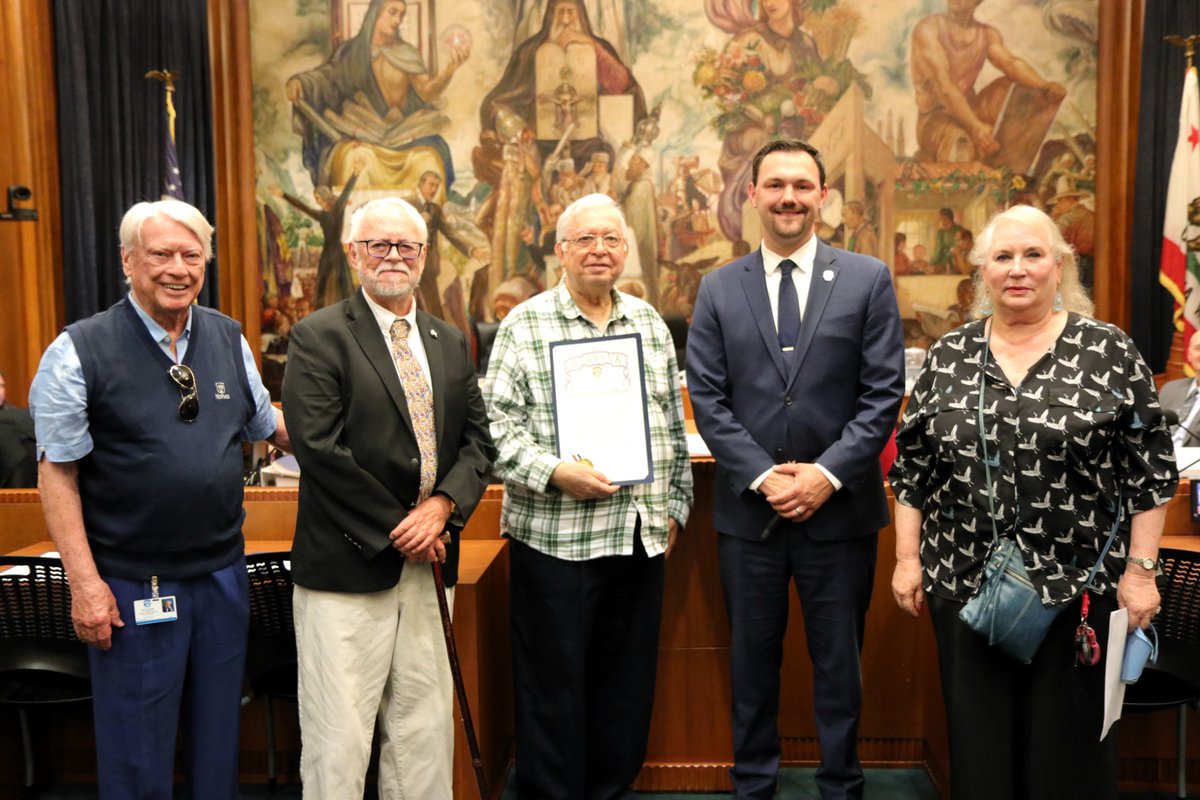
(1172, 419)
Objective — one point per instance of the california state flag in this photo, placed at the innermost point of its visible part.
(1180, 270)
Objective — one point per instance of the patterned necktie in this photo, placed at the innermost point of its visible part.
(420, 405)
(789, 307)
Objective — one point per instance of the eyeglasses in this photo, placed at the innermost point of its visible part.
(588, 241)
(189, 402)
(381, 248)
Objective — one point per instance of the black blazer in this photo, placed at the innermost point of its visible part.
(359, 462)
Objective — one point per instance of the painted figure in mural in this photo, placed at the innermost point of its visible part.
(769, 80)
(375, 93)
(598, 175)
(942, 259)
(428, 189)
(606, 16)
(512, 211)
(949, 50)
(918, 265)
(860, 235)
(568, 186)
(333, 271)
(638, 202)
(1078, 225)
(564, 25)
(964, 241)
(900, 259)
(936, 325)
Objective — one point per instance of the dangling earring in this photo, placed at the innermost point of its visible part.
(985, 308)
(1058, 301)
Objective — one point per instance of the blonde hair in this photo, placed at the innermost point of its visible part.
(1074, 296)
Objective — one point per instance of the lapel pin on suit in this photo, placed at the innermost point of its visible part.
(827, 275)
(433, 333)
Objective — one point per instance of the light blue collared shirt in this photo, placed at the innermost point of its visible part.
(58, 395)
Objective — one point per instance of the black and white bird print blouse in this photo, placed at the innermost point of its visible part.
(1081, 430)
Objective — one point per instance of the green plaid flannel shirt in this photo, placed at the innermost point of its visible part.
(519, 397)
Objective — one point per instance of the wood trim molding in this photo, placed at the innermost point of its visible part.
(233, 159)
(1118, 87)
(31, 282)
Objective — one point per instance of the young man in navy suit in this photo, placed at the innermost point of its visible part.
(795, 363)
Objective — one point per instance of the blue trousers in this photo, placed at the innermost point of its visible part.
(139, 686)
(834, 581)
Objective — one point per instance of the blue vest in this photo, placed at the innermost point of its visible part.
(161, 496)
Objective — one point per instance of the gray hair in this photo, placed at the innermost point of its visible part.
(403, 206)
(1075, 297)
(185, 214)
(585, 203)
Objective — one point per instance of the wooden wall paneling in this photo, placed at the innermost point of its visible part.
(21, 520)
(233, 157)
(1116, 155)
(483, 639)
(31, 308)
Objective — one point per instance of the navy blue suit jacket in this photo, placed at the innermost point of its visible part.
(834, 400)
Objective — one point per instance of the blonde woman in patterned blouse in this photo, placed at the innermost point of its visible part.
(1073, 430)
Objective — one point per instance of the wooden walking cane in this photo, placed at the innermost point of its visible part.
(459, 689)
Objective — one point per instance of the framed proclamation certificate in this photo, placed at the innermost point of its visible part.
(600, 411)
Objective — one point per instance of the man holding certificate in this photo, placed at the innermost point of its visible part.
(585, 410)
(796, 371)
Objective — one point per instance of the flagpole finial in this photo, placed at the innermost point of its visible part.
(167, 76)
(1186, 42)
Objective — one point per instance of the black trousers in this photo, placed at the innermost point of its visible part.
(1019, 731)
(834, 582)
(585, 655)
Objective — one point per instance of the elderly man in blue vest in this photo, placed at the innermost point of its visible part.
(140, 412)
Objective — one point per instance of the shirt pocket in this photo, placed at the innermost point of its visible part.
(1077, 424)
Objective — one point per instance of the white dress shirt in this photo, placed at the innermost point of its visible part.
(1187, 423)
(801, 276)
(385, 319)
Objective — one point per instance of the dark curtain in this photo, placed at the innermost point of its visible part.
(1163, 68)
(112, 123)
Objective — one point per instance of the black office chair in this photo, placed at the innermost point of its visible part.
(42, 661)
(485, 337)
(1175, 679)
(677, 324)
(271, 651)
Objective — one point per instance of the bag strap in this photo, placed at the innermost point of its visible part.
(987, 467)
(987, 470)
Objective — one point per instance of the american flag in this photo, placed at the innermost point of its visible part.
(172, 178)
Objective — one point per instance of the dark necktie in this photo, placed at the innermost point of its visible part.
(789, 307)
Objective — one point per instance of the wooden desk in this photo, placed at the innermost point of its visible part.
(689, 749)
(482, 638)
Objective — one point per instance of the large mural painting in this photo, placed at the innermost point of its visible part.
(492, 115)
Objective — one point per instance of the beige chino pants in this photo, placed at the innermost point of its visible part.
(374, 656)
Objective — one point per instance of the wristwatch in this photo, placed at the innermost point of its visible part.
(1144, 562)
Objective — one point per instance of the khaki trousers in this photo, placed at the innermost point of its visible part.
(373, 656)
